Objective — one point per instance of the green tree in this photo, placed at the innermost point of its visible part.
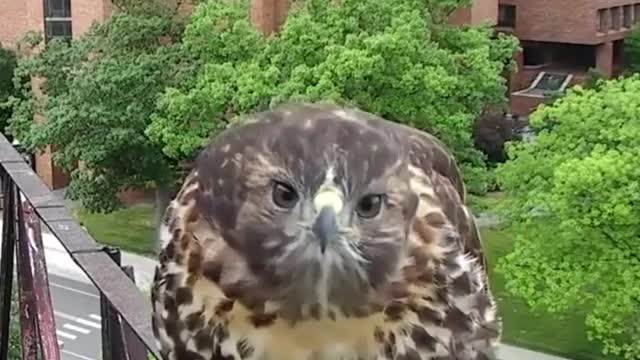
(396, 58)
(573, 198)
(7, 65)
(100, 93)
(632, 50)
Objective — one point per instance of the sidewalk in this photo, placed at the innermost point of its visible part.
(60, 263)
(508, 352)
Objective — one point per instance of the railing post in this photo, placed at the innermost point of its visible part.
(28, 304)
(135, 348)
(109, 318)
(118, 340)
(6, 262)
(36, 309)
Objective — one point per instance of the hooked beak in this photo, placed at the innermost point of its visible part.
(327, 203)
(325, 227)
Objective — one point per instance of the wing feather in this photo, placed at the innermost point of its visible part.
(439, 168)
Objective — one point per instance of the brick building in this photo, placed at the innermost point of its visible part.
(561, 41)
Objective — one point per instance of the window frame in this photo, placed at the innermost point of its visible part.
(61, 15)
(509, 19)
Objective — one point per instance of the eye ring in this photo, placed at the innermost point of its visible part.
(370, 206)
(284, 195)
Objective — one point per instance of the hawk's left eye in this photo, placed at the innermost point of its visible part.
(369, 206)
(284, 195)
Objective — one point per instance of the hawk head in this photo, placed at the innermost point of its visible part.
(314, 203)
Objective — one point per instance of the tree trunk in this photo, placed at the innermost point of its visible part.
(161, 203)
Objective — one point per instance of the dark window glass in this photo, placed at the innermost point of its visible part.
(627, 16)
(58, 8)
(58, 28)
(602, 20)
(507, 16)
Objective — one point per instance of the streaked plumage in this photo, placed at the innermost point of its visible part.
(314, 232)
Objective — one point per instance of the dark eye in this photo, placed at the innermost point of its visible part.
(369, 206)
(284, 195)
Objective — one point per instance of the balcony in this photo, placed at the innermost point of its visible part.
(27, 204)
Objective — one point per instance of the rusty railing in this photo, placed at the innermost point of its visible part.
(125, 312)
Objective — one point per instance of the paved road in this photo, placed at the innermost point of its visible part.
(77, 314)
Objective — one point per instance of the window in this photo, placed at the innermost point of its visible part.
(636, 11)
(627, 16)
(57, 20)
(602, 20)
(548, 84)
(58, 8)
(507, 16)
(615, 18)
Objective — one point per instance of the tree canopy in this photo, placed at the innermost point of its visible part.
(100, 93)
(396, 58)
(7, 65)
(573, 199)
(144, 91)
(632, 50)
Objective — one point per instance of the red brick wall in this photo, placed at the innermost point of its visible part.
(484, 10)
(604, 58)
(479, 12)
(17, 17)
(85, 12)
(563, 21)
(523, 105)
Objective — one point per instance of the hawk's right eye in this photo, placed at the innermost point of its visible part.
(284, 195)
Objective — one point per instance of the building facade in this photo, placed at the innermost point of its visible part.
(561, 41)
(480, 11)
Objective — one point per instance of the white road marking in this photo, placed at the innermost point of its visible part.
(76, 355)
(78, 320)
(74, 290)
(76, 328)
(89, 323)
(95, 317)
(66, 335)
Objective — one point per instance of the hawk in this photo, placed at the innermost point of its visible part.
(320, 232)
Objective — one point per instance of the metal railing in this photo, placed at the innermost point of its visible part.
(125, 312)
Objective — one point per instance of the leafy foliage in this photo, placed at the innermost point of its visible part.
(632, 50)
(392, 58)
(100, 92)
(7, 65)
(580, 180)
(491, 131)
(593, 78)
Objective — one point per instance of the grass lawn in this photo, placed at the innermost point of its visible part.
(550, 333)
(129, 229)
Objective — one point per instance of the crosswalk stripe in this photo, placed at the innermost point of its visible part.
(95, 317)
(78, 320)
(66, 335)
(76, 328)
